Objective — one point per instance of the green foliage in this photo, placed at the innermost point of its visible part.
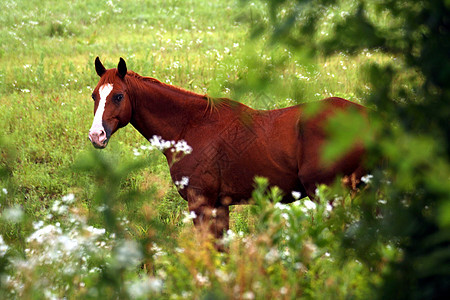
(344, 129)
(412, 130)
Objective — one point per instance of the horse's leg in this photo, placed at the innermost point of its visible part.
(211, 219)
(310, 171)
(201, 206)
(220, 222)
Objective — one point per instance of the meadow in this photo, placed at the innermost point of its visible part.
(83, 223)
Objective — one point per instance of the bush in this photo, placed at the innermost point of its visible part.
(406, 205)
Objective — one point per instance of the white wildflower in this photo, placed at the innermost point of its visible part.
(95, 270)
(136, 152)
(157, 251)
(161, 144)
(296, 195)
(68, 244)
(367, 178)
(96, 232)
(161, 274)
(102, 208)
(188, 217)
(272, 256)
(68, 199)
(40, 235)
(13, 214)
(156, 142)
(50, 295)
(282, 206)
(299, 266)
(182, 146)
(249, 295)
(309, 205)
(140, 288)
(4, 191)
(176, 65)
(38, 225)
(201, 279)
(3, 246)
(59, 208)
(128, 254)
(155, 284)
(228, 237)
(181, 184)
(221, 275)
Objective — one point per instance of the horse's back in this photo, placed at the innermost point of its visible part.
(285, 146)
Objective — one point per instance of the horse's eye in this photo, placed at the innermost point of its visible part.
(118, 97)
(93, 96)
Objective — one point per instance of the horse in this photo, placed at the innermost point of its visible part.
(231, 142)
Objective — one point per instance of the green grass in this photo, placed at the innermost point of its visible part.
(47, 74)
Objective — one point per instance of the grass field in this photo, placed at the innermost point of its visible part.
(47, 74)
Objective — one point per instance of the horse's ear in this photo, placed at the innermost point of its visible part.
(99, 67)
(122, 68)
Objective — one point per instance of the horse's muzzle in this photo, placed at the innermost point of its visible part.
(98, 138)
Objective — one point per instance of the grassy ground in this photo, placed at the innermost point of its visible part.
(47, 52)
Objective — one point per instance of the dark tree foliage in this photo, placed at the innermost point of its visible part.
(413, 138)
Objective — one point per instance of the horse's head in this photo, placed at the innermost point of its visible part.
(112, 108)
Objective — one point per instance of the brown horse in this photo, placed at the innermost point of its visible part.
(231, 143)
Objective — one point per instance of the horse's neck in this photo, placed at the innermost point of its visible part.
(165, 111)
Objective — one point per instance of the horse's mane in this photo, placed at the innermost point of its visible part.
(213, 104)
(142, 79)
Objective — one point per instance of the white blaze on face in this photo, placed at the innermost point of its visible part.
(97, 133)
(97, 126)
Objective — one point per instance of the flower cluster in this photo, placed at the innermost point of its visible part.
(156, 142)
(73, 255)
(181, 184)
(180, 146)
(188, 217)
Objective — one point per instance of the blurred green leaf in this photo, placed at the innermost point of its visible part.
(345, 130)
